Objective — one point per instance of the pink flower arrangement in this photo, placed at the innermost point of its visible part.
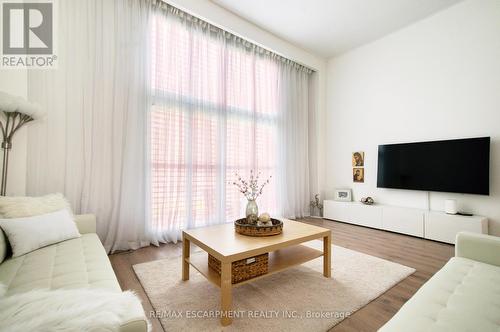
(251, 188)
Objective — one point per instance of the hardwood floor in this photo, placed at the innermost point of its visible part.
(425, 256)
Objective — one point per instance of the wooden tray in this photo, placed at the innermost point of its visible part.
(241, 227)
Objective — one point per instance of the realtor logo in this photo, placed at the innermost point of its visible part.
(28, 34)
(27, 28)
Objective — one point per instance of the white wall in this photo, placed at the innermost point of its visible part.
(14, 81)
(436, 79)
(224, 19)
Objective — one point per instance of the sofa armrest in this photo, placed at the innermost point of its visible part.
(137, 321)
(478, 247)
(86, 223)
(140, 325)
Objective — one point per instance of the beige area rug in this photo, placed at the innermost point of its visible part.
(297, 299)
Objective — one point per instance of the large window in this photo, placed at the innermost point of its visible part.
(215, 113)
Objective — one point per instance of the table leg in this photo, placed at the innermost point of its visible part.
(327, 256)
(185, 256)
(226, 293)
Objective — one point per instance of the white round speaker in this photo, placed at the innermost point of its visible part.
(450, 206)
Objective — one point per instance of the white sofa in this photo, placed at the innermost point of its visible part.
(463, 296)
(75, 263)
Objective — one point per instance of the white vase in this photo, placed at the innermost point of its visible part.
(252, 208)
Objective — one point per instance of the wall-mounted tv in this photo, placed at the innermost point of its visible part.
(458, 165)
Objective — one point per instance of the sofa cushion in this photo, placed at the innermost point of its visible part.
(463, 296)
(24, 206)
(75, 263)
(31, 233)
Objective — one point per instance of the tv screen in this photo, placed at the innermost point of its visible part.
(459, 166)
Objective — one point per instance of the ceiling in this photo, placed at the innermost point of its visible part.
(331, 27)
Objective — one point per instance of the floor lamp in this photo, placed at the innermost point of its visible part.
(16, 112)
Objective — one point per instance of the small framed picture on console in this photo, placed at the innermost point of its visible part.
(344, 195)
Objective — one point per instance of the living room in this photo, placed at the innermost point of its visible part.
(215, 165)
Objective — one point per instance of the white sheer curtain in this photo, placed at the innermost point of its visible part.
(151, 112)
(91, 145)
(222, 105)
(293, 152)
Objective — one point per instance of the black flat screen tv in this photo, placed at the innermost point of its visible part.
(458, 166)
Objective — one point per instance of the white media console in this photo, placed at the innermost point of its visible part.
(433, 225)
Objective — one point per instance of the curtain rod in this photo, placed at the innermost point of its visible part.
(229, 35)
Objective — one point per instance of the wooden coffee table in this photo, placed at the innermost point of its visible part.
(222, 242)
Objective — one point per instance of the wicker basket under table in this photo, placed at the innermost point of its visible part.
(244, 269)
